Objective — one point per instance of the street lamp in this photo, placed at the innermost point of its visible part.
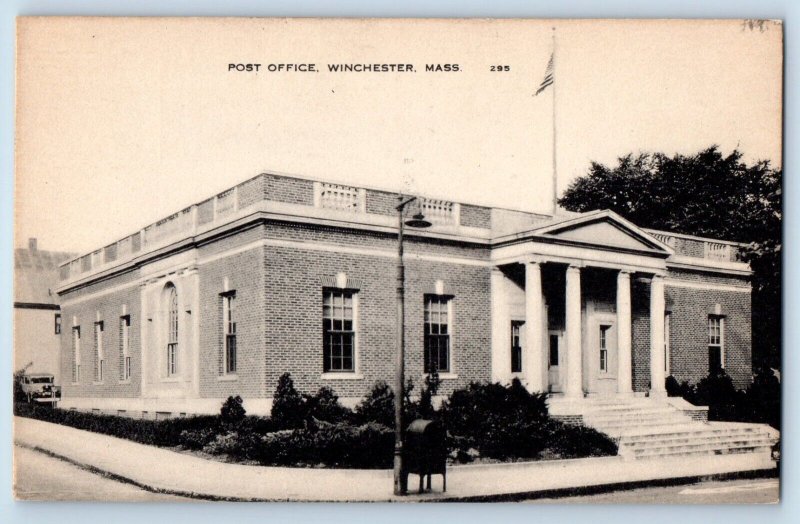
(417, 221)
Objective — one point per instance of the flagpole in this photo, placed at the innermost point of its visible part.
(555, 87)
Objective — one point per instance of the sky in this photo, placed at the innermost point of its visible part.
(123, 122)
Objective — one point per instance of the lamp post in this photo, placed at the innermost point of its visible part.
(417, 221)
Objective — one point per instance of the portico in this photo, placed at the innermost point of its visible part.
(562, 314)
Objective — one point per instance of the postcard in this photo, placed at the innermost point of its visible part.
(398, 260)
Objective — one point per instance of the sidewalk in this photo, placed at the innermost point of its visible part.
(163, 471)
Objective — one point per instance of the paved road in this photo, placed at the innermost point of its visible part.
(42, 477)
(755, 491)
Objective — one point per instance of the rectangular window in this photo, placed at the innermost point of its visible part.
(437, 333)
(604, 348)
(716, 343)
(124, 348)
(516, 346)
(338, 330)
(229, 330)
(553, 350)
(57, 328)
(99, 358)
(76, 354)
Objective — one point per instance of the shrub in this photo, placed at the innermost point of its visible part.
(378, 405)
(499, 421)
(288, 406)
(674, 389)
(718, 393)
(575, 441)
(232, 410)
(763, 399)
(343, 445)
(165, 433)
(325, 406)
(197, 438)
(237, 444)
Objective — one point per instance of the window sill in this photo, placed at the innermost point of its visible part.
(342, 376)
(98, 383)
(171, 379)
(442, 376)
(126, 381)
(227, 378)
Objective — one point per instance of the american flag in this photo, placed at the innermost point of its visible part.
(548, 77)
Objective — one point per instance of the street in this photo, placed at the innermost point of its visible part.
(746, 491)
(42, 477)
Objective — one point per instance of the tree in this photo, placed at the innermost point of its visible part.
(705, 194)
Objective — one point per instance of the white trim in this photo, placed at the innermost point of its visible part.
(293, 244)
(692, 237)
(334, 248)
(707, 286)
(343, 375)
(678, 261)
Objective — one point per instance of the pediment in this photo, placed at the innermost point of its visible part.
(605, 229)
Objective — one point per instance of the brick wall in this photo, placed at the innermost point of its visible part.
(689, 333)
(244, 272)
(289, 190)
(110, 308)
(294, 317)
(476, 216)
(381, 202)
(689, 309)
(251, 191)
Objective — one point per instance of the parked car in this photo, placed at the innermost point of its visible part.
(40, 387)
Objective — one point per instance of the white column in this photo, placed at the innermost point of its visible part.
(533, 359)
(501, 334)
(624, 380)
(574, 382)
(657, 306)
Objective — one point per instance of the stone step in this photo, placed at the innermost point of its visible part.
(602, 420)
(629, 411)
(690, 441)
(621, 427)
(710, 449)
(698, 429)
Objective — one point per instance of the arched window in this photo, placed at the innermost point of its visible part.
(172, 330)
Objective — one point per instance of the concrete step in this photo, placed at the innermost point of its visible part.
(706, 449)
(698, 429)
(629, 412)
(620, 428)
(657, 441)
(667, 416)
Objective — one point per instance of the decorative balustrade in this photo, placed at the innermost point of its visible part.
(334, 196)
(225, 203)
(166, 229)
(440, 211)
(669, 240)
(717, 251)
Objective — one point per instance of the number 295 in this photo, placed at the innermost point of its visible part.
(499, 68)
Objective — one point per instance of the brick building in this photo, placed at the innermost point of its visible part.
(281, 273)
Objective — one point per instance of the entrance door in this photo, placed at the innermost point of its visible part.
(555, 360)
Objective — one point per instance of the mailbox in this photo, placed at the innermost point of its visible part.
(426, 451)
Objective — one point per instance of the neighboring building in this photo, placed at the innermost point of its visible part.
(282, 273)
(37, 315)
